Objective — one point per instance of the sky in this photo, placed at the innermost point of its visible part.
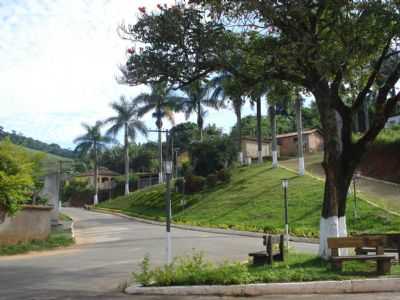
(58, 64)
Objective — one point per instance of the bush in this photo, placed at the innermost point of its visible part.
(194, 184)
(212, 154)
(179, 185)
(224, 175)
(212, 180)
(77, 189)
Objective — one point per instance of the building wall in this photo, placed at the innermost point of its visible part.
(250, 149)
(313, 142)
(31, 223)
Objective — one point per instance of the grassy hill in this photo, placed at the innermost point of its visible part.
(50, 161)
(253, 200)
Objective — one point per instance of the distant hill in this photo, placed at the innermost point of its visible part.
(28, 142)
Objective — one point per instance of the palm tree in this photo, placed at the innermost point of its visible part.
(256, 94)
(226, 87)
(162, 103)
(127, 120)
(90, 143)
(195, 101)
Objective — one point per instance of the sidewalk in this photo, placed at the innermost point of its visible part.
(385, 194)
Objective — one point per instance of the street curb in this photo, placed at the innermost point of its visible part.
(202, 229)
(313, 287)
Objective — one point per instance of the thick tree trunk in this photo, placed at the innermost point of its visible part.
(259, 135)
(96, 171)
(300, 144)
(126, 160)
(272, 117)
(339, 163)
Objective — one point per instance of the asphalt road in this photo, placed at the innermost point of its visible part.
(108, 249)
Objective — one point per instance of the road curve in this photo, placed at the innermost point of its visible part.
(108, 249)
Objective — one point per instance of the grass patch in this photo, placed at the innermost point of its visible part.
(252, 201)
(55, 240)
(63, 217)
(194, 270)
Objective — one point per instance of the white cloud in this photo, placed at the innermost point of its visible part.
(58, 62)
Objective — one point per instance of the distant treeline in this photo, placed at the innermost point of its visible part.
(31, 143)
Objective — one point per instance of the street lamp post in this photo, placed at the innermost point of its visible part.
(168, 209)
(285, 184)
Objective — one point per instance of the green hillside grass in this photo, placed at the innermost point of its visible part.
(253, 201)
(50, 161)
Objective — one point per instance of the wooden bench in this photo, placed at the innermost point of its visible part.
(268, 255)
(391, 244)
(383, 262)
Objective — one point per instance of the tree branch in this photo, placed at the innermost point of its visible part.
(361, 96)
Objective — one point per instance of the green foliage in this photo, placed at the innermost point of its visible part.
(194, 184)
(253, 201)
(55, 240)
(213, 154)
(224, 175)
(77, 188)
(180, 184)
(211, 180)
(17, 171)
(389, 137)
(194, 270)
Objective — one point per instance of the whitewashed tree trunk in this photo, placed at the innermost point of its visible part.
(331, 227)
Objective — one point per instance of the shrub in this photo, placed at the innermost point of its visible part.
(194, 184)
(224, 175)
(179, 185)
(212, 154)
(212, 180)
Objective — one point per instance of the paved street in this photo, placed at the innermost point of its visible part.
(108, 249)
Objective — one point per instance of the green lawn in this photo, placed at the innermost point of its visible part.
(194, 270)
(253, 201)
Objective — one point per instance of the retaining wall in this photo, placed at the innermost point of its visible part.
(30, 223)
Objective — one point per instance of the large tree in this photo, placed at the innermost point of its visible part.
(91, 143)
(127, 120)
(326, 47)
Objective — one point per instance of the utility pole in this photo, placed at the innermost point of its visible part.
(300, 150)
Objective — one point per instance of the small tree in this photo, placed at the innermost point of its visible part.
(16, 178)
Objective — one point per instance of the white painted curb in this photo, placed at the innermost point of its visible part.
(314, 287)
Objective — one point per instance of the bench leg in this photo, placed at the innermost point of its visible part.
(259, 260)
(337, 265)
(383, 267)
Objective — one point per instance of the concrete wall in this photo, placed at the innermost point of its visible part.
(51, 191)
(31, 223)
(250, 149)
(313, 142)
